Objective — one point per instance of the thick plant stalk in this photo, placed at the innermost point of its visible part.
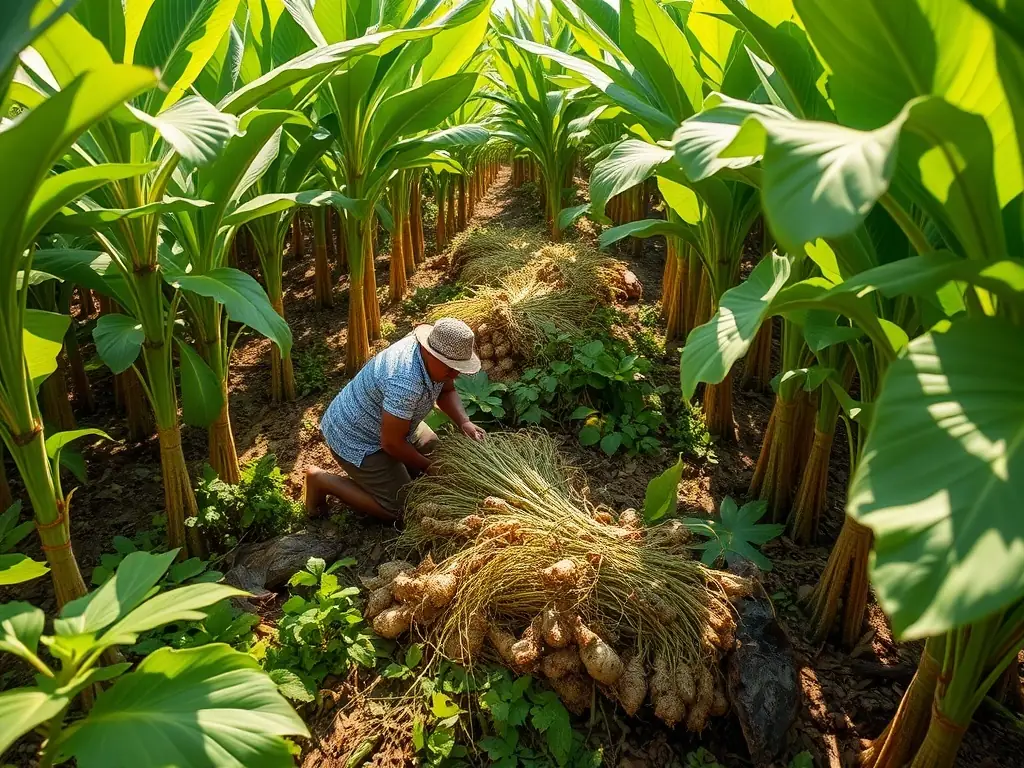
(451, 224)
(718, 410)
(898, 743)
(282, 372)
(296, 234)
(398, 284)
(778, 467)
(418, 243)
(323, 294)
(138, 414)
(223, 454)
(463, 218)
(809, 503)
(27, 448)
(56, 403)
(270, 248)
(179, 498)
(440, 232)
(757, 369)
(845, 582)
(85, 400)
(6, 497)
(340, 246)
(358, 236)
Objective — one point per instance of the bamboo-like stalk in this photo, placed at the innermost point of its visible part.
(418, 242)
(451, 225)
(757, 368)
(846, 573)
(56, 403)
(440, 230)
(6, 497)
(323, 284)
(282, 374)
(398, 268)
(462, 213)
(296, 234)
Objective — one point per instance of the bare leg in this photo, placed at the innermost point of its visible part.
(320, 484)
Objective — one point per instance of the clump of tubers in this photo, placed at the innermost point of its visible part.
(502, 642)
(526, 650)
(630, 520)
(631, 690)
(668, 705)
(556, 634)
(697, 718)
(602, 662)
(564, 574)
(392, 622)
(379, 600)
(561, 663)
(574, 690)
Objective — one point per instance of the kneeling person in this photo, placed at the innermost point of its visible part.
(374, 426)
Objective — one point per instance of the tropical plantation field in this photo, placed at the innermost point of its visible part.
(746, 280)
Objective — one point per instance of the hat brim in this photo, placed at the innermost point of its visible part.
(469, 367)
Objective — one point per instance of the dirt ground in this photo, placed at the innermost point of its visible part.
(847, 697)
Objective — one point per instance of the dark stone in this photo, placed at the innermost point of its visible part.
(264, 566)
(763, 684)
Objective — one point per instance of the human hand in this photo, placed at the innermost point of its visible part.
(473, 432)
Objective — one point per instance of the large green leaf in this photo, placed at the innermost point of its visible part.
(91, 269)
(662, 495)
(207, 707)
(918, 48)
(645, 228)
(244, 299)
(43, 337)
(21, 626)
(137, 574)
(701, 140)
(202, 393)
(175, 605)
(63, 188)
(314, 62)
(658, 48)
(22, 709)
(276, 202)
(104, 19)
(712, 349)
(30, 147)
(194, 128)
(420, 108)
(941, 476)
(97, 218)
(17, 568)
(55, 442)
(24, 20)
(177, 38)
(118, 341)
(628, 164)
(797, 69)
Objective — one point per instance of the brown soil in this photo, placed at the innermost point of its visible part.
(847, 697)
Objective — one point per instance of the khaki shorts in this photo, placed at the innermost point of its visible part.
(383, 476)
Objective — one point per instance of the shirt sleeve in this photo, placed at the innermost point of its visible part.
(400, 399)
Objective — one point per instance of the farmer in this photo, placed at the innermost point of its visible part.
(374, 426)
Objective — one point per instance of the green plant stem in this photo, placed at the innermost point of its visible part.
(914, 234)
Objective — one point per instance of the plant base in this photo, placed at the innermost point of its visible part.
(846, 575)
(810, 496)
(179, 498)
(221, 444)
(718, 410)
(904, 733)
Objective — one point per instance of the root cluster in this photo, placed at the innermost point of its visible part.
(524, 569)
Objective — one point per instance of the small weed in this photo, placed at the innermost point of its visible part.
(649, 315)
(481, 397)
(688, 434)
(737, 532)
(258, 507)
(311, 366)
(702, 758)
(388, 329)
(321, 632)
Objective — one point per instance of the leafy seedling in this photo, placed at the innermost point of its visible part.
(736, 533)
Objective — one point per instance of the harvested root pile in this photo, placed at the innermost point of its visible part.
(535, 575)
(482, 255)
(512, 316)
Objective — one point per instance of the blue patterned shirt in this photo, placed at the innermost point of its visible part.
(396, 381)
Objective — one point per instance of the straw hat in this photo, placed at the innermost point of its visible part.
(451, 341)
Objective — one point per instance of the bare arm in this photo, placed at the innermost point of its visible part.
(450, 402)
(394, 439)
